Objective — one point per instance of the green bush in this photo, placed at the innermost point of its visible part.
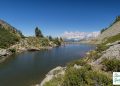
(7, 38)
(13, 50)
(80, 62)
(74, 77)
(112, 39)
(57, 41)
(111, 65)
(97, 78)
(101, 47)
(44, 42)
(93, 55)
(55, 81)
(85, 77)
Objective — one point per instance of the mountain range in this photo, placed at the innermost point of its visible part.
(76, 36)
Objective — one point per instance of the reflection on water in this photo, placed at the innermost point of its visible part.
(30, 68)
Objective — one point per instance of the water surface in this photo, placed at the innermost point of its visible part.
(29, 68)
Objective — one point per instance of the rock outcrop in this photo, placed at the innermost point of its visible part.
(3, 54)
(30, 44)
(53, 73)
(112, 52)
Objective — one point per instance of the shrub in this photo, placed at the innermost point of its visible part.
(81, 62)
(111, 65)
(7, 38)
(55, 81)
(97, 78)
(74, 77)
(101, 47)
(13, 50)
(93, 55)
(57, 41)
(44, 42)
(112, 39)
(85, 77)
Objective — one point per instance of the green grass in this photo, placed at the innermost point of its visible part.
(55, 81)
(112, 65)
(93, 55)
(7, 38)
(13, 50)
(85, 77)
(101, 47)
(112, 39)
(44, 41)
(80, 62)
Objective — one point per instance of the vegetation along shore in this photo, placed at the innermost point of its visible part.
(96, 68)
(13, 41)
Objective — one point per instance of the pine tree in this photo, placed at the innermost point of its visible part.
(38, 32)
(50, 38)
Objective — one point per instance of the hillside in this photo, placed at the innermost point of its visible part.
(112, 30)
(10, 28)
(12, 41)
(8, 35)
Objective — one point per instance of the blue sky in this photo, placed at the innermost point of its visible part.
(54, 17)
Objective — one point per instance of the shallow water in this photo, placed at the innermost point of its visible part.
(29, 68)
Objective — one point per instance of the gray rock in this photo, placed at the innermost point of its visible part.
(53, 73)
(3, 52)
(111, 53)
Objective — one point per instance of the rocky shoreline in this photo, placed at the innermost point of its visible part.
(53, 73)
(26, 44)
(5, 53)
(112, 52)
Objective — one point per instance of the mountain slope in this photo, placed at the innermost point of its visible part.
(10, 28)
(113, 30)
(8, 35)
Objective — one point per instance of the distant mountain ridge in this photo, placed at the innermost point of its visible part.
(76, 36)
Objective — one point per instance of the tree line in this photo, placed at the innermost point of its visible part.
(38, 34)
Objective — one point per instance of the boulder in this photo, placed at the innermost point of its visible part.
(53, 73)
(111, 53)
(4, 52)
